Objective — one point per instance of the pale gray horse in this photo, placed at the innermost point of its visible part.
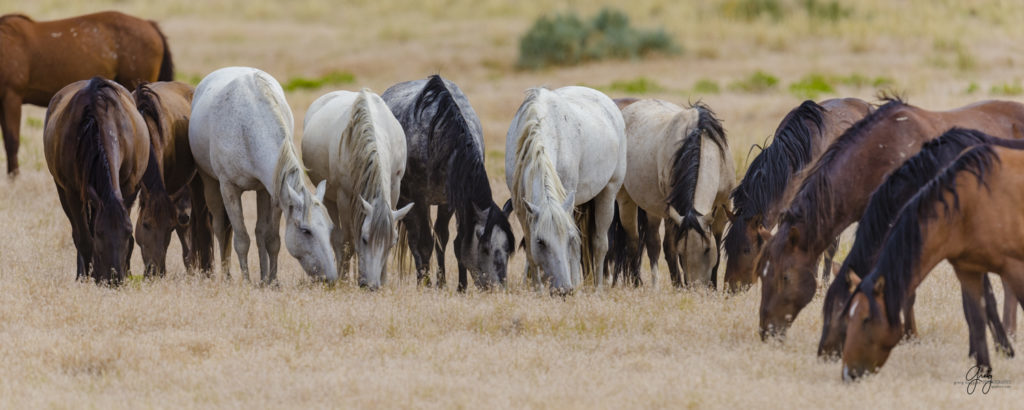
(565, 148)
(354, 141)
(241, 138)
(446, 168)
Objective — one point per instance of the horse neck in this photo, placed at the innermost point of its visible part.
(537, 178)
(288, 172)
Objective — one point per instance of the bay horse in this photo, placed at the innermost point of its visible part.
(39, 58)
(836, 189)
(968, 214)
(354, 142)
(97, 150)
(800, 139)
(565, 149)
(688, 186)
(166, 106)
(445, 145)
(883, 207)
(241, 136)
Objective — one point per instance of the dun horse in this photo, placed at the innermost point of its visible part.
(355, 143)
(97, 150)
(446, 168)
(240, 133)
(802, 136)
(969, 214)
(836, 190)
(40, 58)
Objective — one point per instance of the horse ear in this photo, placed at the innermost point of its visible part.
(728, 214)
(674, 215)
(530, 208)
(292, 196)
(854, 280)
(399, 214)
(879, 285)
(507, 209)
(321, 190)
(366, 205)
(481, 214)
(570, 202)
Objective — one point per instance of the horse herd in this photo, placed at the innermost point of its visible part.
(591, 180)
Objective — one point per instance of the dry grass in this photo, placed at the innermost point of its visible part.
(183, 342)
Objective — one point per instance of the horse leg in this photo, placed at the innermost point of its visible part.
(444, 215)
(830, 255)
(232, 197)
(337, 239)
(652, 241)
(1010, 299)
(219, 222)
(630, 266)
(972, 287)
(999, 338)
(200, 236)
(268, 236)
(10, 124)
(347, 251)
(670, 253)
(604, 210)
(417, 224)
(79, 231)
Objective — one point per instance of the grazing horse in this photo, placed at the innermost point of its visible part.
(836, 190)
(565, 148)
(687, 185)
(354, 142)
(882, 209)
(969, 214)
(240, 133)
(40, 58)
(166, 107)
(97, 150)
(446, 168)
(802, 136)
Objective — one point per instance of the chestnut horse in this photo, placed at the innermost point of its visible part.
(969, 214)
(836, 190)
(166, 107)
(884, 206)
(801, 138)
(40, 58)
(97, 149)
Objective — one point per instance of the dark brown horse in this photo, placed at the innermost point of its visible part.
(801, 138)
(40, 58)
(836, 190)
(883, 208)
(969, 214)
(166, 107)
(97, 149)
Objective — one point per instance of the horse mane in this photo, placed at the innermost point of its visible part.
(901, 251)
(813, 201)
(453, 146)
(97, 96)
(148, 103)
(531, 158)
(686, 165)
(772, 170)
(890, 197)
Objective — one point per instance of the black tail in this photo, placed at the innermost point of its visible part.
(616, 246)
(167, 64)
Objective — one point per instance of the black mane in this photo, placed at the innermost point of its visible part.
(95, 98)
(901, 251)
(686, 166)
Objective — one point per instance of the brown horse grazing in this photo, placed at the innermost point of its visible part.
(836, 190)
(40, 58)
(166, 107)
(883, 208)
(801, 138)
(969, 214)
(97, 149)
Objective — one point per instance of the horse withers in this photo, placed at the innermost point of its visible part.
(97, 149)
(39, 58)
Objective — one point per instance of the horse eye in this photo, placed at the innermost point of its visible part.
(487, 251)
(706, 250)
(541, 244)
(305, 231)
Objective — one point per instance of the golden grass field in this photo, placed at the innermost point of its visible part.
(185, 342)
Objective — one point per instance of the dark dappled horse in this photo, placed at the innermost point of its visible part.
(836, 190)
(445, 167)
(40, 58)
(802, 136)
(97, 150)
(970, 214)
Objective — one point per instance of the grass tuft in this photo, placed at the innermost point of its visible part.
(331, 78)
(758, 82)
(811, 86)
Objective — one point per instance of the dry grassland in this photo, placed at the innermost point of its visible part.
(186, 342)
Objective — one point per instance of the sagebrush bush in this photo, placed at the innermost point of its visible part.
(565, 39)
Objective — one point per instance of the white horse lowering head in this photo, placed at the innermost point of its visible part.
(307, 232)
(554, 243)
(377, 235)
(696, 244)
(486, 252)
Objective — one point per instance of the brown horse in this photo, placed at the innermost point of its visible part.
(40, 58)
(97, 149)
(969, 214)
(883, 208)
(801, 138)
(166, 107)
(836, 190)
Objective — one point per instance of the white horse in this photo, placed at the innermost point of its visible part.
(679, 170)
(354, 141)
(241, 137)
(565, 148)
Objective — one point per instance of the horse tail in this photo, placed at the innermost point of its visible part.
(585, 222)
(616, 239)
(166, 63)
(199, 229)
(402, 255)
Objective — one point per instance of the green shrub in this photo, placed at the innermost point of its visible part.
(1007, 89)
(972, 88)
(752, 9)
(331, 78)
(706, 86)
(825, 10)
(639, 85)
(757, 82)
(811, 86)
(565, 39)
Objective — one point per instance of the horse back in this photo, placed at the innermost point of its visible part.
(589, 141)
(166, 107)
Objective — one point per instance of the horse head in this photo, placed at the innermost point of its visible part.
(787, 272)
(486, 252)
(870, 336)
(554, 242)
(157, 219)
(377, 235)
(307, 233)
(111, 238)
